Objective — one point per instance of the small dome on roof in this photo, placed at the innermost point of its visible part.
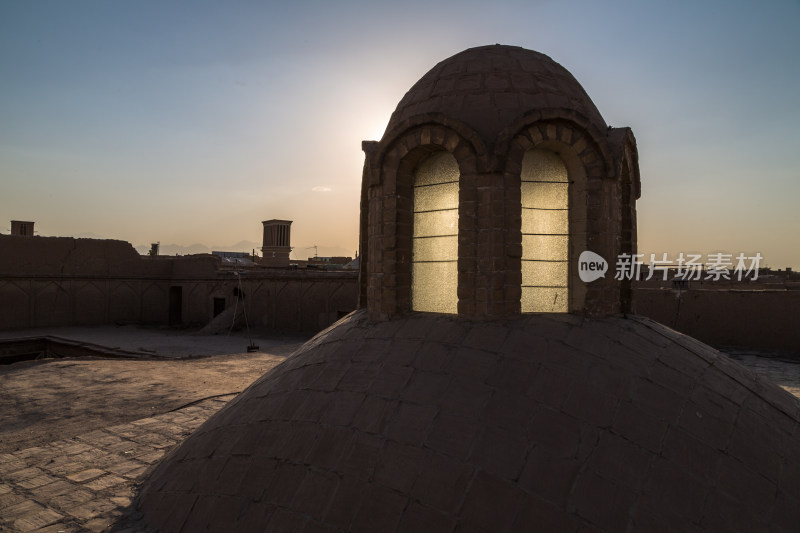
(489, 86)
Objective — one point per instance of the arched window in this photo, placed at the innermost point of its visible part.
(434, 267)
(545, 233)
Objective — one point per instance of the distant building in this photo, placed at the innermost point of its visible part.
(681, 282)
(328, 263)
(235, 258)
(20, 227)
(232, 255)
(354, 264)
(276, 245)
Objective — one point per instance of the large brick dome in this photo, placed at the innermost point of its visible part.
(487, 87)
(491, 419)
(545, 423)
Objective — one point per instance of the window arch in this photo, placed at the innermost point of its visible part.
(434, 256)
(545, 233)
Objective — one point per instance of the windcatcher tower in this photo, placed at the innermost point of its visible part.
(22, 228)
(277, 243)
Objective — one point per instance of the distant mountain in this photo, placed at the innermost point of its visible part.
(243, 246)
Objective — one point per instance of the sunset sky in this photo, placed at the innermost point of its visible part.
(192, 121)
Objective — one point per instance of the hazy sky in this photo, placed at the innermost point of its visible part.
(191, 121)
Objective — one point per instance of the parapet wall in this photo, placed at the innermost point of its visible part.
(66, 256)
(54, 281)
(767, 320)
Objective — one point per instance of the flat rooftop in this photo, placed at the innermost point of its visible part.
(78, 434)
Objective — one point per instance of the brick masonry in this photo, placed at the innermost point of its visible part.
(488, 106)
(489, 419)
(447, 424)
(86, 483)
(61, 281)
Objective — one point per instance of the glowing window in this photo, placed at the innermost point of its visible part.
(434, 267)
(545, 233)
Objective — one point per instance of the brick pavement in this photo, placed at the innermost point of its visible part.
(86, 482)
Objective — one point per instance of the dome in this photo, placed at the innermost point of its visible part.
(434, 423)
(489, 86)
(489, 419)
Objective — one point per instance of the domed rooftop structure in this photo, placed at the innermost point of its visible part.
(545, 423)
(487, 87)
(484, 385)
(535, 178)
